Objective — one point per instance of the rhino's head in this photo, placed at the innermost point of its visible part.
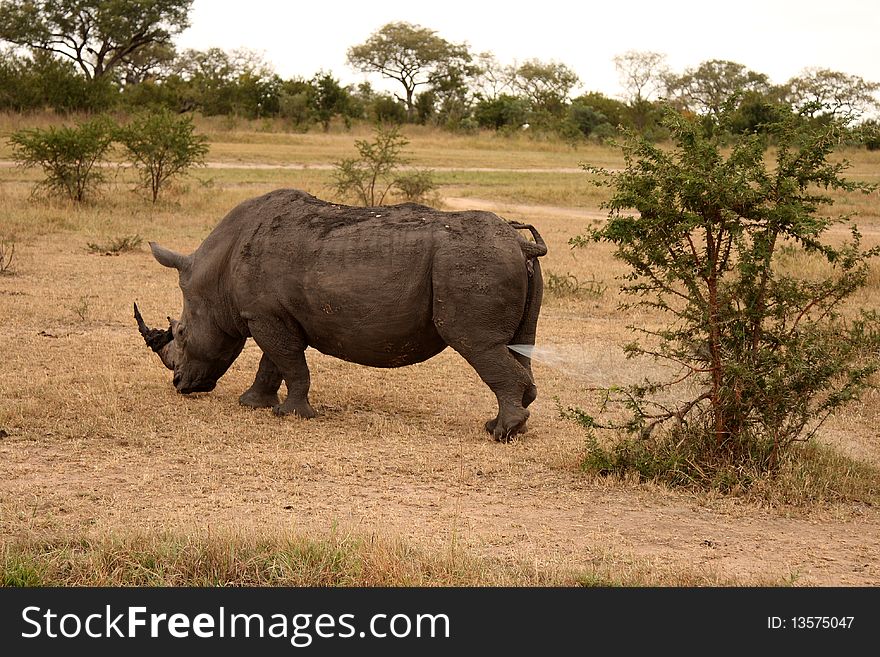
(195, 347)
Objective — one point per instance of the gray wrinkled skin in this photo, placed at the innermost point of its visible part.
(385, 287)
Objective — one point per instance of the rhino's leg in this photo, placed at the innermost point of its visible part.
(477, 310)
(296, 376)
(531, 393)
(263, 393)
(510, 382)
(285, 347)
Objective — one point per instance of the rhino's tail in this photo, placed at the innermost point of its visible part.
(534, 249)
(525, 332)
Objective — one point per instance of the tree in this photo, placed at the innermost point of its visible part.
(707, 88)
(546, 85)
(412, 55)
(208, 76)
(236, 82)
(328, 99)
(642, 74)
(453, 97)
(821, 91)
(757, 112)
(98, 35)
(295, 102)
(69, 156)
(20, 90)
(505, 111)
(616, 112)
(146, 64)
(491, 79)
(162, 145)
(760, 351)
(588, 120)
(41, 80)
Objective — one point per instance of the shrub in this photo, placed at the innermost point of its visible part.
(371, 176)
(117, 245)
(585, 118)
(296, 110)
(568, 285)
(502, 112)
(416, 186)
(386, 109)
(69, 156)
(763, 356)
(161, 146)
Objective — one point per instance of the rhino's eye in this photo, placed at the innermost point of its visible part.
(180, 332)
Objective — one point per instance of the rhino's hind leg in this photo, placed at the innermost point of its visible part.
(285, 348)
(512, 385)
(263, 392)
(531, 393)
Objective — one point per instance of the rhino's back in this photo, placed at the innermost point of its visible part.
(290, 229)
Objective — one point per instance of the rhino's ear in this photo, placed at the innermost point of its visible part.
(169, 258)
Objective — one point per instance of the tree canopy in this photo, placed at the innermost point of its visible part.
(546, 85)
(706, 88)
(836, 94)
(98, 35)
(641, 74)
(410, 54)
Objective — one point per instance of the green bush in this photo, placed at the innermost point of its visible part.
(386, 109)
(370, 177)
(296, 110)
(416, 186)
(759, 356)
(43, 81)
(585, 118)
(69, 156)
(162, 145)
(502, 112)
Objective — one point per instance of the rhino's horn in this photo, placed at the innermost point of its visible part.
(156, 339)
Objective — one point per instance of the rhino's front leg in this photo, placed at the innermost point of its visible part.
(263, 393)
(285, 349)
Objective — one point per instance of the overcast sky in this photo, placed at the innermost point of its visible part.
(776, 37)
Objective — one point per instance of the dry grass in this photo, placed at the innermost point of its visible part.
(224, 559)
(220, 559)
(108, 476)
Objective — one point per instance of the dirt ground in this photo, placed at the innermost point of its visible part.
(96, 443)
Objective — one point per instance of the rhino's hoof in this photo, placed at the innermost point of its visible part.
(504, 434)
(256, 400)
(300, 410)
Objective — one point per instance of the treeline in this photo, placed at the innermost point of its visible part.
(87, 55)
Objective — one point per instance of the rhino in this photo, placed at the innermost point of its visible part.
(383, 286)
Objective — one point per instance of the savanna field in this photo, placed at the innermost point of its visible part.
(108, 476)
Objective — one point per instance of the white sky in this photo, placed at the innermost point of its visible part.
(776, 37)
